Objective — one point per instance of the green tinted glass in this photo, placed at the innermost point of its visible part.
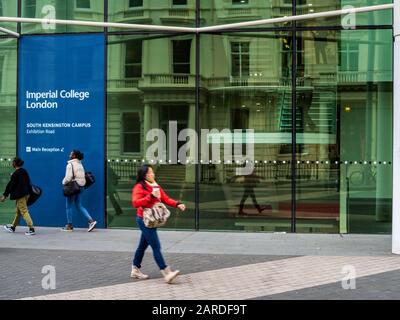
(8, 89)
(348, 21)
(86, 10)
(151, 85)
(159, 12)
(344, 131)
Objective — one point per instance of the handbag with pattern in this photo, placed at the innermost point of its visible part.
(156, 216)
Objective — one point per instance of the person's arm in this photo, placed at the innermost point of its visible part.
(10, 186)
(68, 174)
(167, 200)
(137, 197)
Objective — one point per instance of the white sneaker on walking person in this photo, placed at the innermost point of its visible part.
(92, 224)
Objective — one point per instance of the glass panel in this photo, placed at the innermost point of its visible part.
(167, 13)
(8, 132)
(344, 132)
(246, 85)
(86, 10)
(8, 8)
(152, 97)
(382, 17)
(217, 12)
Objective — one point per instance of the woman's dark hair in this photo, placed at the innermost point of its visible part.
(18, 162)
(78, 155)
(141, 175)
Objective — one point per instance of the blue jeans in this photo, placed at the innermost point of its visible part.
(149, 237)
(75, 201)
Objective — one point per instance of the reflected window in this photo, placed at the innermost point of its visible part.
(133, 59)
(135, 3)
(240, 1)
(131, 132)
(179, 2)
(83, 4)
(30, 8)
(349, 55)
(181, 56)
(240, 59)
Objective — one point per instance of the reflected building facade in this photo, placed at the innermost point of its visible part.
(318, 95)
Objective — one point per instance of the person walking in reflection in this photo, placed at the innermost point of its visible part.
(250, 182)
(19, 188)
(76, 171)
(145, 194)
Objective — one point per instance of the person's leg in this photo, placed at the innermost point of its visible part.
(23, 209)
(15, 223)
(80, 207)
(69, 202)
(139, 253)
(254, 199)
(244, 198)
(151, 236)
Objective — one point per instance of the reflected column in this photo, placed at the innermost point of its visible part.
(384, 153)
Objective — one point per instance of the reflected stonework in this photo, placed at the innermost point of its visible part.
(247, 85)
(151, 82)
(8, 8)
(86, 10)
(350, 100)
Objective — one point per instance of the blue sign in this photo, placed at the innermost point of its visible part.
(61, 108)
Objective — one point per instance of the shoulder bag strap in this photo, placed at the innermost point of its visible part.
(73, 173)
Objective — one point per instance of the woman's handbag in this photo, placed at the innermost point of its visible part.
(156, 216)
(34, 194)
(72, 188)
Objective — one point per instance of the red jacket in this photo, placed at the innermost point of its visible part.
(141, 198)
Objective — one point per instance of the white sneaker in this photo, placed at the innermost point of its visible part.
(92, 225)
(30, 232)
(137, 274)
(9, 229)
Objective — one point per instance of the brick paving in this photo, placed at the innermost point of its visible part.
(214, 265)
(21, 269)
(241, 282)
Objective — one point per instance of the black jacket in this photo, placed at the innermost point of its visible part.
(19, 185)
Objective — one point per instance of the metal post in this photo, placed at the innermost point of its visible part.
(396, 131)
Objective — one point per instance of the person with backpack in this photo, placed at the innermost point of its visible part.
(19, 189)
(145, 194)
(76, 173)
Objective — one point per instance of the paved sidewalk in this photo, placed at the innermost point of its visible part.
(214, 265)
(238, 283)
(204, 242)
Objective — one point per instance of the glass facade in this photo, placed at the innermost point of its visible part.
(317, 95)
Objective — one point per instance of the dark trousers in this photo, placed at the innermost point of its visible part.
(149, 237)
(249, 192)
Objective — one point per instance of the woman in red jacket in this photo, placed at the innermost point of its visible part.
(145, 194)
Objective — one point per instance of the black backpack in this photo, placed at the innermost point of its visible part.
(90, 179)
(34, 194)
